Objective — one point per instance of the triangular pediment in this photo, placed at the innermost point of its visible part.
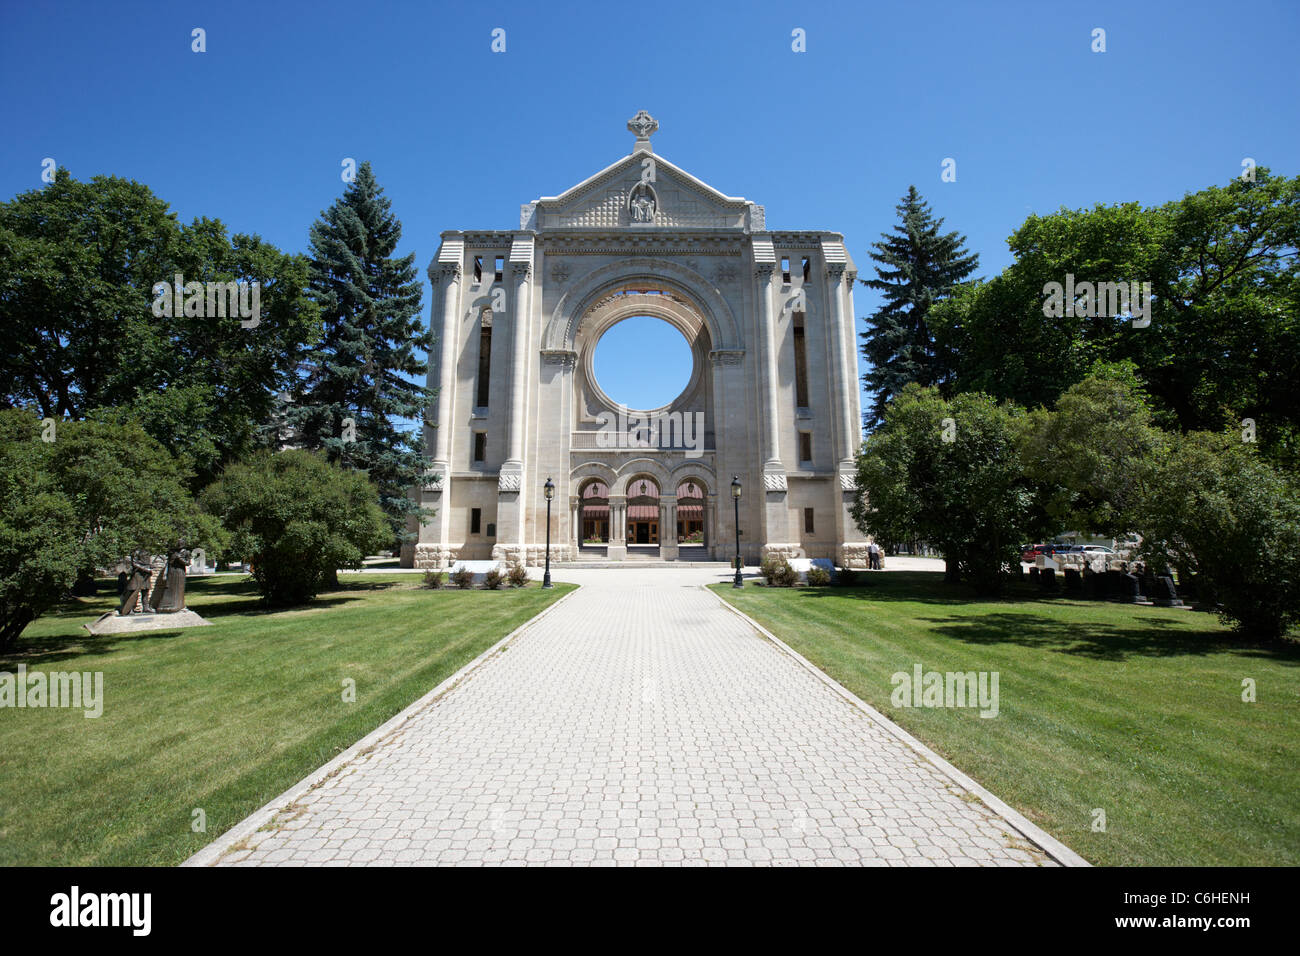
(642, 191)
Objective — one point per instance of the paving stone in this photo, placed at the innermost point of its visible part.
(639, 723)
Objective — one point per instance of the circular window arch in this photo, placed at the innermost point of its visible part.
(643, 363)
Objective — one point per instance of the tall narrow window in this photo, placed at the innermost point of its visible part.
(800, 363)
(478, 269)
(475, 520)
(808, 521)
(480, 446)
(501, 268)
(484, 360)
(805, 447)
(785, 269)
(807, 269)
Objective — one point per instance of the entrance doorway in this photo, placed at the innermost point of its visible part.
(643, 517)
(593, 516)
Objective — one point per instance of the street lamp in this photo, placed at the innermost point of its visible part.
(735, 496)
(549, 489)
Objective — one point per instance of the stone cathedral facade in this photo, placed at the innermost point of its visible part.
(772, 398)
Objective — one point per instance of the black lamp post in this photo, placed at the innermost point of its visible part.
(549, 489)
(735, 496)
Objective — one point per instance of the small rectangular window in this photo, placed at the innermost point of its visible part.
(492, 531)
(807, 269)
(501, 268)
(478, 268)
(480, 446)
(808, 521)
(805, 446)
(475, 520)
(785, 269)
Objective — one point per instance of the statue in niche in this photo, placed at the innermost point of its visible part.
(641, 203)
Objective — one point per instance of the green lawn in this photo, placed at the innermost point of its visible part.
(1134, 710)
(221, 718)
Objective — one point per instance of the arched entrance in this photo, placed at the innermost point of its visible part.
(692, 525)
(643, 517)
(593, 516)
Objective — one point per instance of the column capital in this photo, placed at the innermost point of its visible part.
(440, 272)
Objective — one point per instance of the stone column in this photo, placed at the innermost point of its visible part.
(850, 546)
(617, 549)
(520, 272)
(668, 549)
(432, 544)
(447, 337)
(575, 526)
(511, 495)
(710, 519)
(847, 427)
(768, 382)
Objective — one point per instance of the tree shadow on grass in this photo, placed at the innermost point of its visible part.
(929, 587)
(241, 599)
(1153, 637)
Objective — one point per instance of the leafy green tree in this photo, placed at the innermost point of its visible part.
(364, 374)
(79, 262)
(1219, 512)
(918, 266)
(949, 473)
(1223, 343)
(299, 518)
(84, 500)
(1093, 453)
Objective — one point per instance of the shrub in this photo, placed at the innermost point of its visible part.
(777, 572)
(517, 574)
(463, 578)
(492, 580)
(818, 577)
(433, 579)
(300, 518)
(1224, 517)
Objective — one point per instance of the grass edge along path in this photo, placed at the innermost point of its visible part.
(1134, 711)
(206, 725)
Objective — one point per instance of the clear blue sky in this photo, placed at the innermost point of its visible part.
(254, 130)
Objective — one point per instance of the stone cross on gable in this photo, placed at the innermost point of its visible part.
(643, 125)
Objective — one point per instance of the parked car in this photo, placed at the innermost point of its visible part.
(1098, 549)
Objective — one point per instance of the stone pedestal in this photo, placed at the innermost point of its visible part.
(111, 623)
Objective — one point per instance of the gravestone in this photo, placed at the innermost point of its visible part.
(1164, 593)
(1073, 581)
(1034, 575)
(1131, 590)
(1048, 579)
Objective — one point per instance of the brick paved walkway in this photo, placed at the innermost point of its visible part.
(640, 722)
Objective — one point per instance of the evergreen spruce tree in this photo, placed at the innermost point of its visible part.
(365, 372)
(918, 267)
